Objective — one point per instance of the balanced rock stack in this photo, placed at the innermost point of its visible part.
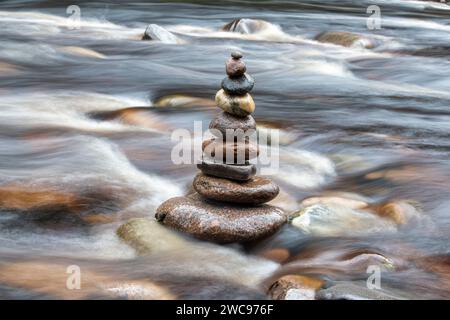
(228, 205)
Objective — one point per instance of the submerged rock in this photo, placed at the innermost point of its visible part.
(295, 287)
(50, 278)
(136, 116)
(434, 52)
(336, 220)
(346, 39)
(279, 255)
(138, 290)
(51, 208)
(219, 222)
(328, 257)
(218, 263)
(155, 32)
(258, 190)
(222, 274)
(285, 201)
(8, 69)
(83, 52)
(148, 236)
(43, 277)
(22, 198)
(401, 212)
(178, 101)
(345, 202)
(350, 291)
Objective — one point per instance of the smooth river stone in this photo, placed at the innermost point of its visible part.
(230, 153)
(228, 171)
(255, 191)
(236, 55)
(220, 222)
(238, 86)
(305, 287)
(156, 32)
(346, 39)
(235, 67)
(240, 106)
(246, 26)
(225, 121)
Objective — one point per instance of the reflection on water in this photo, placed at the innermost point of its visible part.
(85, 123)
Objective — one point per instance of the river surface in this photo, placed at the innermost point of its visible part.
(77, 160)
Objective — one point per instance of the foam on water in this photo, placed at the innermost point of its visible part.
(79, 101)
(117, 163)
(50, 19)
(410, 23)
(231, 265)
(421, 5)
(109, 165)
(268, 32)
(320, 220)
(68, 110)
(304, 169)
(104, 244)
(328, 59)
(387, 88)
(331, 68)
(36, 23)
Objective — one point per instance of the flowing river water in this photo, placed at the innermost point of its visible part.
(78, 159)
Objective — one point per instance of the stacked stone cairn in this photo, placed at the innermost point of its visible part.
(228, 205)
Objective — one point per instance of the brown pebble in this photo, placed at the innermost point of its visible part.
(230, 152)
(400, 212)
(225, 123)
(235, 68)
(254, 191)
(279, 288)
(279, 255)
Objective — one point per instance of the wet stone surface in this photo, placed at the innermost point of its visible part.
(228, 171)
(255, 191)
(219, 222)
